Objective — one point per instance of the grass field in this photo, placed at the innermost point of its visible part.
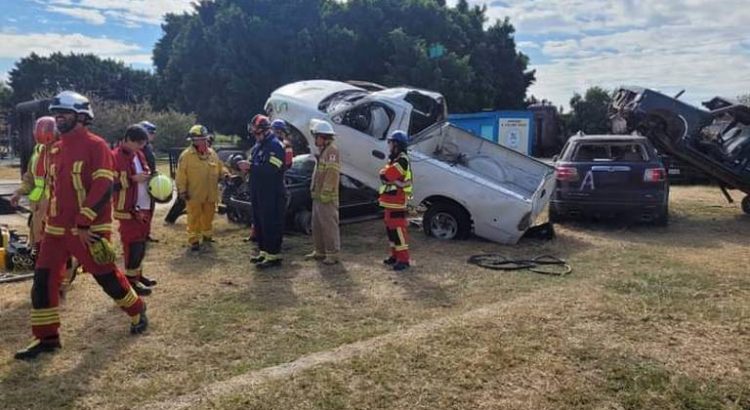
(650, 318)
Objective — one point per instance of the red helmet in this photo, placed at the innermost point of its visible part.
(260, 123)
(45, 130)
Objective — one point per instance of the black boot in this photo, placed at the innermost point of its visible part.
(47, 345)
(399, 266)
(390, 261)
(139, 323)
(139, 288)
(258, 258)
(268, 263)
(146, 281)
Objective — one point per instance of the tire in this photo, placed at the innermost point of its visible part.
(303, 221)
(663, 218)
(554, 216)
(446, 220)
(746, 204)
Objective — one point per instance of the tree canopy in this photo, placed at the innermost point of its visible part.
(589, 112)
(224, 59)
(85, 73)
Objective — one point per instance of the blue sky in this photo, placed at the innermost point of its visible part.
(573, 44)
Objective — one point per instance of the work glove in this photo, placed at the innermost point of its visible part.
(102, 251)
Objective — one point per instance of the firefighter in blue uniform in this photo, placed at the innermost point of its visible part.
(268, 193)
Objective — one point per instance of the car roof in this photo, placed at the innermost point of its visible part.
(608, 138)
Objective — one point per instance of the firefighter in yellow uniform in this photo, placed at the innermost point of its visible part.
(198, 173)
(325, 195)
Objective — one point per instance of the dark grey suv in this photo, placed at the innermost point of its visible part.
(610, 176)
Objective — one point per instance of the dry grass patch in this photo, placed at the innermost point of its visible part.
(666, 305)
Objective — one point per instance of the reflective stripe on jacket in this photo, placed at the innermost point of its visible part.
(324, 186)
(198, 175)
(80, 175)
(396, 179)
(125, 191)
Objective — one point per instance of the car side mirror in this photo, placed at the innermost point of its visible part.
(555, 158)
(378, 154)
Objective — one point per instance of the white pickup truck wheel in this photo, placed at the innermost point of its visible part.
(445, 220)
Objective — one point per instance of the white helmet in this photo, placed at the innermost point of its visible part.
(72, 101)
(321, 127)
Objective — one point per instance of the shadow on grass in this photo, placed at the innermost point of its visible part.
(32, 385)
(421, 288)
(338, 279)
(272, 288)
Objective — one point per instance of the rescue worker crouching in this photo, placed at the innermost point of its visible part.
(267, 192)
(324, 190)
(79, 223)
(133, 204)
(199, 171)
(395, 192)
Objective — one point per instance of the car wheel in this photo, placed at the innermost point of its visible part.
(303, 221)
(554, 216)
(233, 215)
(445, 220)
(663, 218)
(746, 204)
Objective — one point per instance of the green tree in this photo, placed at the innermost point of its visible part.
(589, 112)
(113, 118)
(85, 73)
(223, 60)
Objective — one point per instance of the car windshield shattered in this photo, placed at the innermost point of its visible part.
(341, 100)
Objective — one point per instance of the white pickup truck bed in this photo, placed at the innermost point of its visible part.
(503, 191)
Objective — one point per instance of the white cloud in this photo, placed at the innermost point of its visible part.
(699, 45)
(90, 16)
(131, 13)
(16, 46)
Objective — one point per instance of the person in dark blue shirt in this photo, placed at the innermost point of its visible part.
(267, 192)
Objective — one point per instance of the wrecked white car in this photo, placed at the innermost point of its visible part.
(466, 184)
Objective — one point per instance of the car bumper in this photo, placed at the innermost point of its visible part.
(579, 209)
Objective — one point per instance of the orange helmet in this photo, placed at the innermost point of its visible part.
(45, 130)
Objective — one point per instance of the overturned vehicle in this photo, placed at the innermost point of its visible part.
(715, 140)
(356, 201)
(466, 184)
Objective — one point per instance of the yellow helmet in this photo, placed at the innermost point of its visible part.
(161, 187)
(198, 131)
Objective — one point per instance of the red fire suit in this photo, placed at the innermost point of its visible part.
(134, 222)
(81, 175)
(395, 192)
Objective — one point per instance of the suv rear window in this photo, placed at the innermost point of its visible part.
(609, 152)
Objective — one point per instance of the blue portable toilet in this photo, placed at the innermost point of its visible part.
(512, 129)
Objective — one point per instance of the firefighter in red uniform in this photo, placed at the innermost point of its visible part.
(79, 223)
(395, 192)
(133, 204)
